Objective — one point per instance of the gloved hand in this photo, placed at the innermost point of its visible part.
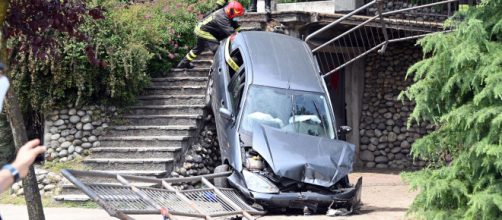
(232, 37)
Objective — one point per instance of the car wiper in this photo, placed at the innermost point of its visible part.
(320, 117)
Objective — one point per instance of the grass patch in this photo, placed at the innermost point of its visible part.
(47, 202)
(56, 167)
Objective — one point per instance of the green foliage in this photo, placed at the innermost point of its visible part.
(7, 149)
(56, 167)
(48, 201)
(132, 43)
(459, 86)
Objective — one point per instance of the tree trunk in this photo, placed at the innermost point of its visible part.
(30, 185)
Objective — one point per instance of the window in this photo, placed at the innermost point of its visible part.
(236, 87)
(289, 110)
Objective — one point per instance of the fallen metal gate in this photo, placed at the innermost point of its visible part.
(387, 25)
(122, 195)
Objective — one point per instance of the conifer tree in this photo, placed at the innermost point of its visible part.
(458, 85)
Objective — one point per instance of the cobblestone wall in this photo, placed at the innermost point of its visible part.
(436, 13)
(385, 138)
(71, 132)
(203, 156)
(47, 183)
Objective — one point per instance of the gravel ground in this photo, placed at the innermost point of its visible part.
(384, 196)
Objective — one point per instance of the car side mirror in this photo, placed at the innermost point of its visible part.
(344, 129)
(225, 113)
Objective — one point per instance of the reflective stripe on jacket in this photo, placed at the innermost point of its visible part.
(216, 27)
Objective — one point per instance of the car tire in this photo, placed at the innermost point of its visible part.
(221, 182)
(209, 92)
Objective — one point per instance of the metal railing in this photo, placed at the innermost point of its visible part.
(124, 195)
(393, 21)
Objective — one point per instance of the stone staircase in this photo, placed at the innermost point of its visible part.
(156, 132)
(159, 128)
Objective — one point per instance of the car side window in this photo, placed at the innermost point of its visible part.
(236, 87)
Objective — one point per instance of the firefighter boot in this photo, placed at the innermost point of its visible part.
(185, 64)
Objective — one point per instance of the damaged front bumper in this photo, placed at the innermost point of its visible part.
(349, 198)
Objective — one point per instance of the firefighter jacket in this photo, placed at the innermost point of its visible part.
(216, 27)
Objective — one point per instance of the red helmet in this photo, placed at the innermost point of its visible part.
(234, 9)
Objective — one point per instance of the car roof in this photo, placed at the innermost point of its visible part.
(280, 61)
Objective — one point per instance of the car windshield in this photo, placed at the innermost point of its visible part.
(289, 110)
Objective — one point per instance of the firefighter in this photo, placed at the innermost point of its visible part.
(214, 28)
(268, 9)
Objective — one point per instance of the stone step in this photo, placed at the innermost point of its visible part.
(254, 25)
(149, 130)
(166, 109)
(195, 72)
(72, 198)
(135, 152)
(130, 164)
(206, 55)
(175, 90)
(146, 173)
(171, 100)
(190, 120)
(144, 141)
(203, 62)
(179, 81)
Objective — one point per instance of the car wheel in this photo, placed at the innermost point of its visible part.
(221, 182)
(209, 92)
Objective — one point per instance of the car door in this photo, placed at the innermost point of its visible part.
(223, 75)
(236, 89)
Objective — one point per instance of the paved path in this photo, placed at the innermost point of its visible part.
(384, 196)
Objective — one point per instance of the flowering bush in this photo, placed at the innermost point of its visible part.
(115, 59)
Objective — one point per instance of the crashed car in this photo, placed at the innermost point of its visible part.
(276, 126)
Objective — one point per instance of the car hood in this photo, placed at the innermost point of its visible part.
(309, 159)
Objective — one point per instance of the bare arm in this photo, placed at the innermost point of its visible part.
(25, 157)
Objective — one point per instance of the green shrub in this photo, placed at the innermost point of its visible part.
(132, 43)
(459, 86)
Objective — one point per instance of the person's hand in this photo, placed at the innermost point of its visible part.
(26, 155)
(232, 37)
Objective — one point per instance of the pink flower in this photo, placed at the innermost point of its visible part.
(171, 56)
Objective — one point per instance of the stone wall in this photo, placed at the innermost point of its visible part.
(385, 139)
(70, 133)
(203, 156)
(47, 183)
(436, 13)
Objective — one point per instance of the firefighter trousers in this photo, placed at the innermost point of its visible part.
(201, 45)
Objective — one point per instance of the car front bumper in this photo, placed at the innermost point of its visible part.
(349, 198)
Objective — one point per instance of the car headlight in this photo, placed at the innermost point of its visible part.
(259, 183)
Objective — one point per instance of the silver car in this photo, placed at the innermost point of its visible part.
(276, 127)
